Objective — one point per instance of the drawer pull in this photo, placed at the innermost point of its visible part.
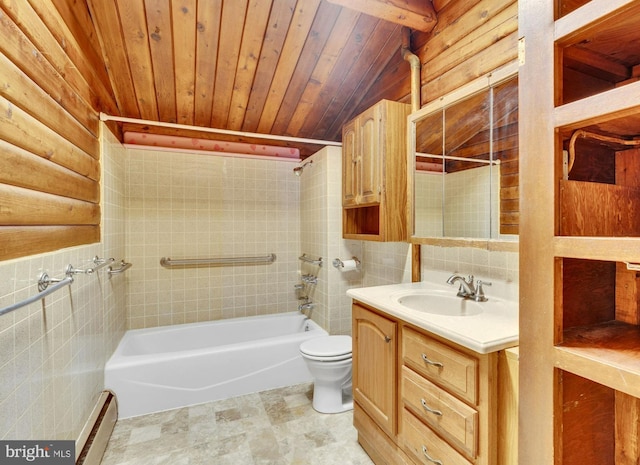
(431, 362)
(387, 339)
(429, 458)
(429, 409)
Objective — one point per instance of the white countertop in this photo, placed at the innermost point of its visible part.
(494, 329)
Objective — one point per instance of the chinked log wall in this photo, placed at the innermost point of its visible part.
(52, 86)
(472, 38)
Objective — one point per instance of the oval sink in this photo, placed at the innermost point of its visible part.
(439, 303)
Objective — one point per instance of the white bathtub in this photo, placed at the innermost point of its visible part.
(162, 368)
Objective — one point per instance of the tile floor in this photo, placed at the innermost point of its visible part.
(277, 427)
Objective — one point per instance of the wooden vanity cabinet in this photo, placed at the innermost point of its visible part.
(374, 362)
(420, 399)
(374, 173)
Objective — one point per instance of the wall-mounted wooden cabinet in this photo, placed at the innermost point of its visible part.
(374, 174)
(580, 178)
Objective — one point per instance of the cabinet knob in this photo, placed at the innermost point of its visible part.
(387, 339)
(431, 362)
(429, 458)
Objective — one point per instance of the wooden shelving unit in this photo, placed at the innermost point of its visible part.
(580, 210)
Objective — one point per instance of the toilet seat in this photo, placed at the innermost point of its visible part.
(327, 348)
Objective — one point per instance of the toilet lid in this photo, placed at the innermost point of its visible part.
(327, 346)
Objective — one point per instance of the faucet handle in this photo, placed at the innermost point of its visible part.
(480, 297)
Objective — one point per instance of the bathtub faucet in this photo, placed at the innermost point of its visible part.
(306, 306)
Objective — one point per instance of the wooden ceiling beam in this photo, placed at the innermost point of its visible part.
(415, 14)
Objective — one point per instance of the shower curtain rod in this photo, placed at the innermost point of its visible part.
(302, 140)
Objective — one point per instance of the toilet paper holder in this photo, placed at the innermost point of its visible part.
(340, 264)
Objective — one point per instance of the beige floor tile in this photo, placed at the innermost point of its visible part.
(277, 427)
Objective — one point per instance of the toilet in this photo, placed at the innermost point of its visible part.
(329, 361)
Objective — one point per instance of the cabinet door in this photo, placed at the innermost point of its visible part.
(349, 163)
(370, 165)
(374, 367)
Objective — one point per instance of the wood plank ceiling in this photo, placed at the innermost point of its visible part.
(298, 68)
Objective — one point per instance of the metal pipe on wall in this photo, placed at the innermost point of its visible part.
(414, 62)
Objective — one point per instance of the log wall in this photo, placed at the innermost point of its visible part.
(53, 84)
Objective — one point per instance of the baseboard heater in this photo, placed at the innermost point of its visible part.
(95, 435)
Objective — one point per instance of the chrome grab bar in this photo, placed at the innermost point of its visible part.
(124, 266)
(98, 262)
(309, 279)
(306, 259)
(220, 261)
(45, 290)
(48, 285)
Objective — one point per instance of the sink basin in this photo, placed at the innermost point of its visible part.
(439, 303)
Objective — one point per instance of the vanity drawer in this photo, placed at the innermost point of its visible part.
(449, 368)
(447, 415)
(425, 446)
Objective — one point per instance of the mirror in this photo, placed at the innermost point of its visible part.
(464, 164)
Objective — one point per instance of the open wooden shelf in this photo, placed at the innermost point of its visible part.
(597, 50)
(576, 15)
(581, 328)
(590, 11)
(597, 309)
(608, 353)
(597, 424)
(612, 104)
(619, 249)
(362, 223)
(614, 211)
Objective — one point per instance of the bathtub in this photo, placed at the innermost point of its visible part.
(168, 367)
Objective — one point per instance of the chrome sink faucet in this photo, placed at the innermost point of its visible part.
(467, 289)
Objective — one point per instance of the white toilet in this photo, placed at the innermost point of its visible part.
(329, 361)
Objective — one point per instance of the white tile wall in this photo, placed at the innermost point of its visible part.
(467, 198)
(54, 351)
(428, 191)
(386, 263)
(469, 260)
(183, 205)
(321, 236)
